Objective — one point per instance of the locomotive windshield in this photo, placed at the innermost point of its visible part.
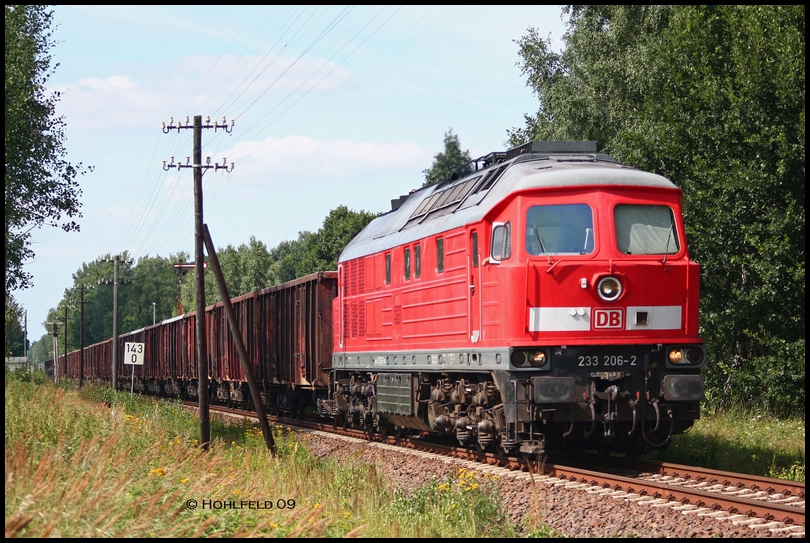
(559, 230)
(645, 230)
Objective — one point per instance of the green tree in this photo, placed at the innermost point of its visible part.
(41, 186)
(284, 258)
(15, 328)
(245, 269)
(256, 270)
(153, 279)
(712, 98)
(451, 161)
(42, 349)
(322, 249)
(252, 267)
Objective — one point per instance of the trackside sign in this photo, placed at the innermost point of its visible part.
(133, 353)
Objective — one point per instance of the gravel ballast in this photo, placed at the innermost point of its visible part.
(583, 511)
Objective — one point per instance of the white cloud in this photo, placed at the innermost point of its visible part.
(248, 84)
(114, 103)
(302, 156)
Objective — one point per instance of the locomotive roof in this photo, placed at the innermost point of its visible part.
(444, 206)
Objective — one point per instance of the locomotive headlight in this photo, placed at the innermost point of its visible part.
(524, 358)
(694, 355)
(609, 288)
(538, 359)
(686, 356)
(519, 359)
(675, 356)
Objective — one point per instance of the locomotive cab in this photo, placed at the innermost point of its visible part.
(607, 339)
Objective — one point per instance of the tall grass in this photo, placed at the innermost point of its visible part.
(99, 463)
(743, 441)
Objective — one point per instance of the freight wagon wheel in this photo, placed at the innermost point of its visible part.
(399, 432)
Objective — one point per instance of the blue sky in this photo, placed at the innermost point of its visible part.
(333, 105)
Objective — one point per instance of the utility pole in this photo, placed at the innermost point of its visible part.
(66, 339)
(82, 288)
(55, 353)
(64, 322)
(25, 338)
(202, 350)
(181, 269)
(115, 260)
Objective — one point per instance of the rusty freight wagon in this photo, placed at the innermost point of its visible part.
(286, 329)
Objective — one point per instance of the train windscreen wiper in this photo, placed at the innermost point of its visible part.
(542, 245)
(666, 247)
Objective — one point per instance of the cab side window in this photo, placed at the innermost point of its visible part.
(501, 248)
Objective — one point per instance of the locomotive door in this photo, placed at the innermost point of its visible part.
(474, 288)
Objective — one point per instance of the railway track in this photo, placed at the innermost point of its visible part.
(760, 503)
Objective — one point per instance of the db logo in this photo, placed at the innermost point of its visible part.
(607, 318)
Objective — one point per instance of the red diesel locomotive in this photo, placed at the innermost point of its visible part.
(547, 299)
(544, 301)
